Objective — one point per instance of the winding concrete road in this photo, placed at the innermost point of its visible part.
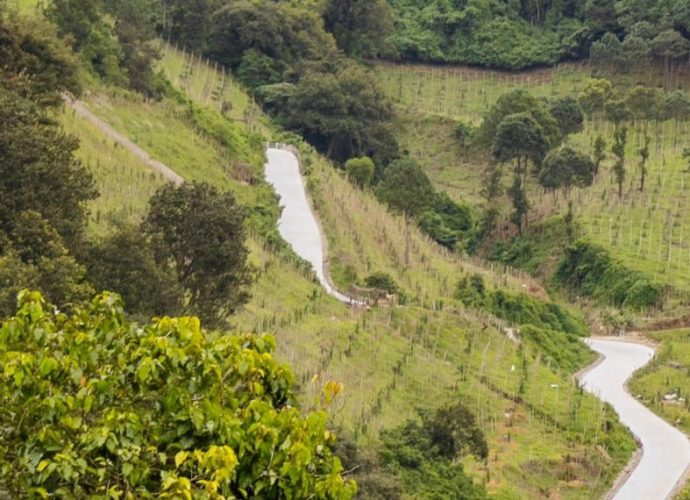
(298, 225)
(665, 449)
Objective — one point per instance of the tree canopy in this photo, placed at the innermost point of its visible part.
(565, 168)
(360, 27)
(406, 188)
(568, 115)
(199, 233)
(343, 113)
(93, 405)
(518, 35)
(511, 103)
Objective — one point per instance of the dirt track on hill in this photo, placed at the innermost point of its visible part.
(81, 109)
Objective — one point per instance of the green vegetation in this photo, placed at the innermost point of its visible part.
(590, 270)
(543, 435)
(94, 405)
(360, 171)
(422, 456)
(645, 230)
(124, 182)
(319, 337)
(526, 34)
(198, 234)
(667, 374)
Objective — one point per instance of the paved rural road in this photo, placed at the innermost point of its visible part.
(298, 225)
(665, 450)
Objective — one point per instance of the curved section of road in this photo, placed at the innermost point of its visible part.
(298, 225)
(665, 449)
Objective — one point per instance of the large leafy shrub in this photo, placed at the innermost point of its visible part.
(590, 270)
(93, 405)
(521, 309)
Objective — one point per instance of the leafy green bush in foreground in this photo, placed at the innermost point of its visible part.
(93, 405)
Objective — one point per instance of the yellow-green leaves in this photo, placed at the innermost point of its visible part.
(93, 405)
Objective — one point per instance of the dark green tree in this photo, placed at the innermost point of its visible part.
(519, 138)
(285, 33)
(75, 18)
(382, 281)
(518, 101)
(345, 114)
(360, 27)
(135, 26)
(35, 63)
(670, 46)
(518, 197)
(427, 456)
(36, 257)
(405, 188)
(644, 103)
(491, 190)
(38, 171)
(644, 157)
(620, 139)
(617, 111)
(124, 262)
(454, 433)
(565, 168)
(677, 108)
(200, 233)
(637, 52)
(188, 22)
(600, 16)
(568, 115)
(608, 54)
(599, 153)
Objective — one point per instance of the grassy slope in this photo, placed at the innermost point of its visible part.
(648, 231)
(123, 180)
(668, 373)
(391, 360)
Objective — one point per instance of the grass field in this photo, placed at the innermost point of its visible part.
(124, 182)
(647, 230)
(210, 85)
(668, 373)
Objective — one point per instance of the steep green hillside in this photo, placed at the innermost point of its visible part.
(395, 360)
(647, 230)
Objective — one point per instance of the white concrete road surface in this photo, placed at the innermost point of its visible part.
(298, 225)
(665, 449)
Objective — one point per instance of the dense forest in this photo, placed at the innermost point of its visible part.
(523, 34)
